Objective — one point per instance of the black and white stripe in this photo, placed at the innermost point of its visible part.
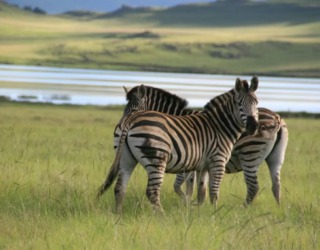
(249, 151)
(177, 144)
(149, 98)
(268, 144)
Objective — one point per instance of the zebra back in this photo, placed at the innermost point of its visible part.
(150, 98)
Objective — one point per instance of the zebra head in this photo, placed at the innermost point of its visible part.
(247, 103)
(136, 100)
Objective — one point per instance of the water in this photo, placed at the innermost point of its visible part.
(101, 87)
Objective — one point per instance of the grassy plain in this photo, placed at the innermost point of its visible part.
(54, 158)
(273, 38)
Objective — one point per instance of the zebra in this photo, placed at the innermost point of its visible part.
(177, 144)
(143, 97)
(268, 144)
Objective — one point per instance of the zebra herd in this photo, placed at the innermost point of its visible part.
(229, 135)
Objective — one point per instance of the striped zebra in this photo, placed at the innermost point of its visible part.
(250, 151)
(177, 144)
(149, 98)
(268, 144)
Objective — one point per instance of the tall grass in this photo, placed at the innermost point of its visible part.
(53, 159)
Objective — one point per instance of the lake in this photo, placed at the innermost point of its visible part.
(103, 87)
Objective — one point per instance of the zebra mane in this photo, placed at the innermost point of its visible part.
(218, 100)
(153, 92)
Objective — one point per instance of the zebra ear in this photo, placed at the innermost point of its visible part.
(125, 90)
(245, 85)
(254, 83)
(142, 91)
(239, 85)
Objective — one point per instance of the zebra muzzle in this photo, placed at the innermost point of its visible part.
(252, 125)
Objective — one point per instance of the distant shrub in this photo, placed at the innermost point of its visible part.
(145, 34)
(39, 11)
(168, 46)
(59, 97)
(4, 98)
(27, 97)
(28, 8)
(126, 7)
(225, 55)
(81, 13)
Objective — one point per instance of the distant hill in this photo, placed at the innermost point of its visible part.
(58, 7)
(220, 14)
(7, 9)
(300, 2)
(275, 37)
(82, 14)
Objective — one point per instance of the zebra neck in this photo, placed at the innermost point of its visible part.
(223, 113)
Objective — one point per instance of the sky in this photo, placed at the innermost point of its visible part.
(60, 6)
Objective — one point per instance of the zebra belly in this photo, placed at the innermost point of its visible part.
(176, 167)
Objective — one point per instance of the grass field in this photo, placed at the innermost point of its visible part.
(266, 38)
(54, 158)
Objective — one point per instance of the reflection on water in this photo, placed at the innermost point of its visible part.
(99, 87)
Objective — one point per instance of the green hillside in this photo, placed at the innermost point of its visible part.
(223, 14)
(7, 10)
(299, 2)
(280, 38)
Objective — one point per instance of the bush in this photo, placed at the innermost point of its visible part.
(28, 8)
(4, 98)
(39, 11)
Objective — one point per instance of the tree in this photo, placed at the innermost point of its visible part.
(28, 8)
(39, 11)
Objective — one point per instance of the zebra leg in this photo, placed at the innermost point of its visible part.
(180, 178)
(127, 165)
(251, 179)
(202, 181)
(250, 162)
(216, 172)
(275, 160)
(251, 152)
(190, 183)
(155, 179)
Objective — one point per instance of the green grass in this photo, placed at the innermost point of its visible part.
(54, 158)
(265, 38)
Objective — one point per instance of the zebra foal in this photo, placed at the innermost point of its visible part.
(177, 144)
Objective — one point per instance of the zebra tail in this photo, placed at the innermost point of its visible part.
(114, 170)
